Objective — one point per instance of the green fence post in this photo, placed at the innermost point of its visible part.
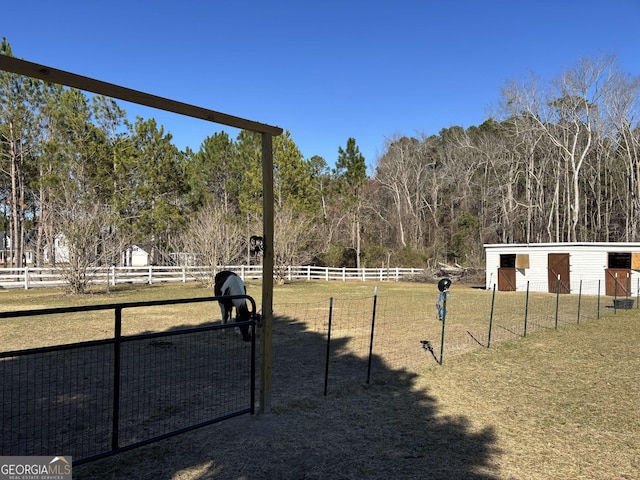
(373, 324)
(493, 301)
(579, 300)
(328, 353)
(598, 299)
(557, 300)
(615, 294)
(627, 287)
(444, 318)
(526, 310)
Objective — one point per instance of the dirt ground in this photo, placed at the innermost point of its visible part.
(379, 431)
(560, 403)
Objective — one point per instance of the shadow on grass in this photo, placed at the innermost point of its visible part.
(388, 428)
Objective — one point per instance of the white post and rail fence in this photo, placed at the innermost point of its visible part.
(37, 277)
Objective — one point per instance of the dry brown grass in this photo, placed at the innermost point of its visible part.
(558, 404)
(38, 331)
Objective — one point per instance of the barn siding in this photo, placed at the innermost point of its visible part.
(587, 263)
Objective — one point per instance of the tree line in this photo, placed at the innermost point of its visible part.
(557, 161)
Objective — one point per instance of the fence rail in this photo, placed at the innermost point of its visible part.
(35, 277)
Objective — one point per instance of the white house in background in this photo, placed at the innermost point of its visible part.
(28, 256)
(590, 268)
(60, 250)
(134, 256)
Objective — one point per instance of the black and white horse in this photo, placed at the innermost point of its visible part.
(227, 283)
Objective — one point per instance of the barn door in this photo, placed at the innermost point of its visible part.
(558, 265)
(506, 279)
(618, 282)
(507, 273)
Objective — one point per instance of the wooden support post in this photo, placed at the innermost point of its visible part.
(267, 271)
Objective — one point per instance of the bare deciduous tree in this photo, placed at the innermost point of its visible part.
(569, 114)
(294, 241)
(621, 101)
(88, 242)
(211, 239)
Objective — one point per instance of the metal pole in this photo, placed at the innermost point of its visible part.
(615, 293)
(328, 353)
(579, 301)
(493, 301)
(557, 299)
(444, 318)
(252, 382)
(373, 323)
(526, 310)
(598, 300)
(115, 417)
(627, 290)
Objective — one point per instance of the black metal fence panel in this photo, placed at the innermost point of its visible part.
(96, 398)
(57, 400)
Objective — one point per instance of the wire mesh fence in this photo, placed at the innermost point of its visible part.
(172, 382)
(371, 337)
(66, 398)
(95, 398)
(57, 399)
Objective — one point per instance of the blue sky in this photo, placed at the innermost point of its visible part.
(325, 70)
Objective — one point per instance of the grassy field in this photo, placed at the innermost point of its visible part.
(558, 404)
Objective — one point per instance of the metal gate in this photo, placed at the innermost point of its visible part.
(93, 399)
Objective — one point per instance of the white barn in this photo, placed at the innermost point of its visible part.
(590, 268)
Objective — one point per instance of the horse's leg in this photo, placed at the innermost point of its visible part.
(225, 310)
(242, 315)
